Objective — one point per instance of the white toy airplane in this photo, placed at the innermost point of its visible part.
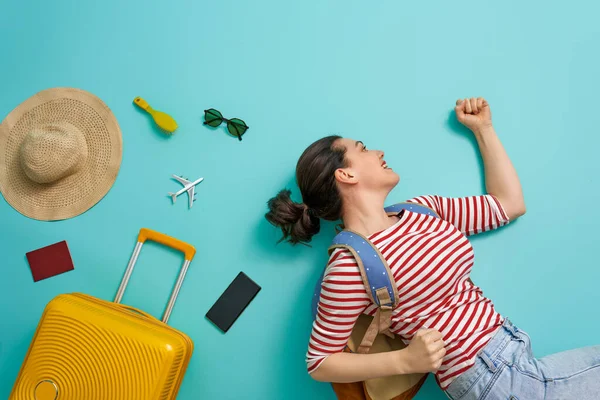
(188, 187)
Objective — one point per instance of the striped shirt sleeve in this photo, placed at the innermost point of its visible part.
(343, 299)
(470, 215)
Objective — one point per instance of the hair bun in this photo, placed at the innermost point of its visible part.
(297, 221)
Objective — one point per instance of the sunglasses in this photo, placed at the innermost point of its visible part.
(235, 126)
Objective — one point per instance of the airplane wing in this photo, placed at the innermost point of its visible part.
(181, 180)
(191, 196)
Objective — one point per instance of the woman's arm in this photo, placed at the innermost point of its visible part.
(501, 179)
(425, 353)
(353, 367)
(342, 300)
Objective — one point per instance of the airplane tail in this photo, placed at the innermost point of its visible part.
(173, 196)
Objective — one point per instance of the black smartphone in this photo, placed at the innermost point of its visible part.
(234, 300)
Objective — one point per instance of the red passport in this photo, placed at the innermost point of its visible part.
(50, 261)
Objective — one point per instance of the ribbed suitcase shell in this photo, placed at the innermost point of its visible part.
(95, 349)
(86, 348)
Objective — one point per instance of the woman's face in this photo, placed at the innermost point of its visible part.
(366, 168)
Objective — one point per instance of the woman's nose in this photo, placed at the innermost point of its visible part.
(381, 153)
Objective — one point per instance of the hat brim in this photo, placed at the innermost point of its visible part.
(76, 193)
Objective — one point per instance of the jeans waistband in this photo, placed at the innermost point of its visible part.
(486, 359)
(497, 344)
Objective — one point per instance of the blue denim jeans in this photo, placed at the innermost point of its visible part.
(506, 369)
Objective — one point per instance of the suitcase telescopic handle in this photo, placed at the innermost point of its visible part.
(149, 234)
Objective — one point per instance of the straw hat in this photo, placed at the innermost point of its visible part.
(60, 152)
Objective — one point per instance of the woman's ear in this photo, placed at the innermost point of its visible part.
(345, 175)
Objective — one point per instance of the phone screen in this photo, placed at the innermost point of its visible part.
(234, 300)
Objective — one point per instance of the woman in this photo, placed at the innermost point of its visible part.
(449, 326)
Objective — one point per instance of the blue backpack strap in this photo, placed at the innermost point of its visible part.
(374, 270)
(373, 267)
(378, 280)
(412, 207)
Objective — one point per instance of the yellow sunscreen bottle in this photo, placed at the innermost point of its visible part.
(164, 121)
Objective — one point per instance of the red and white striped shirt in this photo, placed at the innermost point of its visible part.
(431, 259)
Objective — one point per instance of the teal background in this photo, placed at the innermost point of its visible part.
(385, 72)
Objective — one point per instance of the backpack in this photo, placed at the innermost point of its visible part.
(372, 334)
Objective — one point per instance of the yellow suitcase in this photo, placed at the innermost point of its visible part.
(86, 348)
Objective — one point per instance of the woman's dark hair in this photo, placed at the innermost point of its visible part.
(315, 175)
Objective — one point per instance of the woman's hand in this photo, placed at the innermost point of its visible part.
(474, 113)
(425, 352)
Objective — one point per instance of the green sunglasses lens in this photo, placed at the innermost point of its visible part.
(213, 118)
(237, 127)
